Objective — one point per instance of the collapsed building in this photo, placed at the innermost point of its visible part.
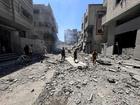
(92, 32)
(122, 26)
(71, 36)
(45, 27)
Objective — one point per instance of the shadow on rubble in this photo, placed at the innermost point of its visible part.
(11, 66)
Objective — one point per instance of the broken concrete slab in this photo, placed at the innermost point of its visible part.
(112, 70)
(51, 61)
(104, 62)
(136, 77)
(133, 64)
(79, 64)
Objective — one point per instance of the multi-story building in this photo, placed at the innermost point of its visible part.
(71, 36)
(122, 23)
(16, 17)
(45, 27)
(92, 30)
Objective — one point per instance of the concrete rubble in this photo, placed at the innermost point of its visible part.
(56, 83)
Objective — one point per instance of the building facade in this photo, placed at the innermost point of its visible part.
(71, 36)
(16, 17)
(45, 27)
(92, 30)
(122, 24)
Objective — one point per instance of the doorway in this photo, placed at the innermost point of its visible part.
(5, 41)
(125, 40)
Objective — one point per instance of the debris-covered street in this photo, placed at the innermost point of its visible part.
(54, 82)
(69, 52)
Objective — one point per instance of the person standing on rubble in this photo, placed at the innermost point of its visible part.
(63, 54)
(75, 55)
(94, 56)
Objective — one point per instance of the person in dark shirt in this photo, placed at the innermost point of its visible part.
(94, 56)
(27, 50)
(75, 54)
(63, 54)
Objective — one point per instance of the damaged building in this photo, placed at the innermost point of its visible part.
(71, 36)
(16, 17)
(92, 31)
(122, 26)
(45, 27)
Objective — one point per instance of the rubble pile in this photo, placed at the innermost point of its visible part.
(111, 81)
(96, 85)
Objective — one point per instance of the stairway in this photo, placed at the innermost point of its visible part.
(8, 57)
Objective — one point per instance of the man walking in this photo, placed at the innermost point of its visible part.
(63, 54)
(75, 55)
(94, 56)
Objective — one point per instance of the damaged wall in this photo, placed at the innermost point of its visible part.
(137, 48)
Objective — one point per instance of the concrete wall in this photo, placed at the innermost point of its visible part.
(137, 48)
(128, 26)
(5, 11)
(38, 45)
(114, 10)
(11, 13)
(110, 34)
(15, 42)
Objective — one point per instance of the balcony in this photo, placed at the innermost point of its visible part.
(120, 9)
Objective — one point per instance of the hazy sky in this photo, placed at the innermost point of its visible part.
(68, 13)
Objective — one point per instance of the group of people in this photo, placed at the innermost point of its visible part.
(63, 55)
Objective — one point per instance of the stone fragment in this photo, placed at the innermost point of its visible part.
(91, 97)
(77, 101)
(3, 87)
(85, 82)
(138, 93)
(10, 79)
(104, 62)
(136, 77)
(95, 80)
(72, 82)
(111, 80)
(32, 90)
(67, 93)
(112, 70)
(30, 77)
(78, 86)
